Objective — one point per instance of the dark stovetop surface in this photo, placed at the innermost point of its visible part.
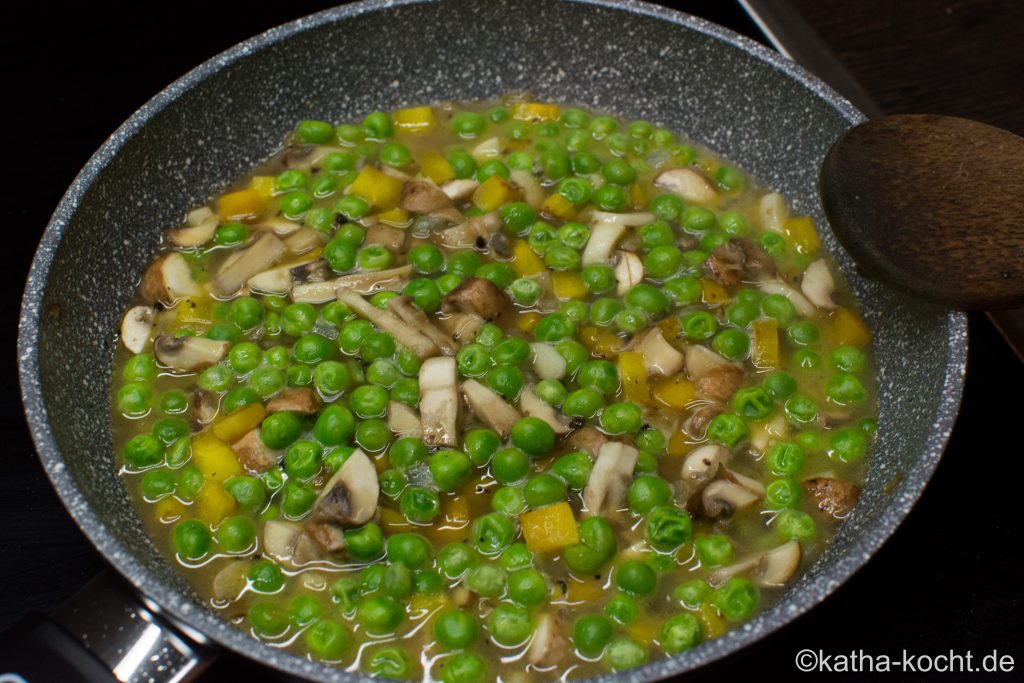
(948, 579)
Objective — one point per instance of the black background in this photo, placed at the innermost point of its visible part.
(950, 578)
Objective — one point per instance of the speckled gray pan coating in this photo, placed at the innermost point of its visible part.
(736, 97)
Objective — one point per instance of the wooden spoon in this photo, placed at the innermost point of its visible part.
(933, 206)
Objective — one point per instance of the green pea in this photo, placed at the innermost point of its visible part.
(632, 320)
(509, 500)
(455, 559)
(506, 381)
(378, 126)
(373, 435)
(305, 609)
(574, 353)
(419, 504)
(622, 418)
(426, 259)
(648, 492)
(734, 224)
(779, 384)
(533, 435)
(778, 307)
(517, 216)
(848, 444)
(230, 234)
(692, 593)
(591, 634)
(462, 163)
(380, 614)
(392, 482)
(302, 460)
(801, 409)
(699, 325)
(785, 459)
(499, 273)
(297, 499)
(509, 625)
(411, 549)
(732, 344)
(468, 124)
(604, 311)
(492, 533)
(134, 399)
(845, 390)
(682, 290)
(365, 543)
(551, 391)
(697, 219)
(714, 551)
(140, 368)
(340, 255)
(268, 619)
(336, 457)
(236, 534)
(397, 581)
(248, 492)
(143, 450)
(456, 629)
(680, 632)
(583, 403)
(374, 257)
(527, 587)
(334, 427)
(597, 546)
(848, 359)
(190, 480)
(369, 401)
(636, 578)
(450, 469)
(647, 297)
(598, 277)
(782, 493)
(407, 452)
(544, 489)
(624, 653)
(727, 429)
(390, 662)
(486, 580)
(192, 539)
(174, 402)
(736, 599)
(280, 429)
(465, 667)
(574, 469)
(652, 441)
(510, 465)
(663, 262)
(752, 402)
(157, 484)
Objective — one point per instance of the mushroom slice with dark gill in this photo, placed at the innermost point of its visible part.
(301, 400)
(835, 497)
(491, 408)
(193, 235)
(189, 354)
(729, 492)
(136, 326)
(660, 357)
(439, 401)
(168, 279)
(700, 360)
(259, 256)
(606, 488)
(771, 568)
(287, 543)
(423, 196)
(725, 264)
(253, 454)
(329, 537)
(696, 424)
(588, 440)
(205, 404)
(687, 183)
(403, 333)
(387, 235)
(702, 463)
(281, 279)
(629, 271)
(759, 265)
(402, 307)
(799, 301)
(531, 406)
(350, 497)
(392, 279)
(474, 232)
(459, 190)
(480, 297)
(818, 285)
(719, 383)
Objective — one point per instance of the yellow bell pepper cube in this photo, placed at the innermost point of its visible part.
(675, 392)
(414, 119)
(711, 623)
(525, 261)
(801, 234)
(601, 341)
(377, 188)
(393, 521)
(669, 328)
(263, 184)
(713, 292)
(552, 527)
(427, 606)
(395, 217)
(644, 629)
(213, 503)
(214, 458)
(492, 193)
(633, 375)
(847, 328)
(765, 351)
(195, 311)
(678, 445)
(535, 111)
(169, 510)
(568, 285)
(239, 423)
(437, 168)
(454, 519)
(558, 206)
(587, 590)
(637, 196)
(244, 204)
(527, 321)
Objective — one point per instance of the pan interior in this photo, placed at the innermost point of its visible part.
(631, 59)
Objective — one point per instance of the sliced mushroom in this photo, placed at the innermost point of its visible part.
(548, 363)
(488, 149)
(818, 285)
(403, 308)
(230, 581)
(719, 383)
(606, 488)
(531, 405)
(696, 425)
(529, 187)
(168, 279)
(480, 297)
(800, 303)
(280, 280)
(392, 279)
(461, 326)
(588, 440)
(762, 436)
(422, 196)
(687, 183)
(835, 497)
(350, 497)
(198, 216)
(702, 464)
(460, 190)
(700, 360)
(279, 226)
(725, 264)
(445, 218)
(261, 255)
(253, 454)
(759, 265)
(630, 220)
(604, 237)
(136, 326)
(329, 537)
(405, 335)
(193, 235)
(300, 400)
(475, 232)
(629, 271)
(288, 544)
(305, 240)
(388, 236)
(439, 401)
(549, 645)
(189, 354)
(205, 405)
(492, 409)
(771, 568)
(660, 357)
(730, 492)
(403, 420)
(772, 212)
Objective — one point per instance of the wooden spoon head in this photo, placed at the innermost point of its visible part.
(933, 206)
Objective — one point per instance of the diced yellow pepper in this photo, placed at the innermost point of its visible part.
(637, 196)
(601, 340)
(493, 193)
(524, 260)
(669, 327)
(535, 111)
(169, 510)
(847, 328)
(395, 217)
(713, 292)
(675, 392)
(248, 203)
(213, 503)
(239, 423)
(195, 311)
(527, 321)
(552, 527)
(711, 622)
(678, 445)
(587, 590)
(568, 285)
(558, 206)
(377, 188)
(633, 375)
(393, 521)
(414, 119)
(454, 519)
(437, 168)
(214, 458)
(765, 352)
(801, 234)
(263, 184)
(427, 605)
(644, 628)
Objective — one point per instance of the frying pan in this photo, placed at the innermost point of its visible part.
(640, 61)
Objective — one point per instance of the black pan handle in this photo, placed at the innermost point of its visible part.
(104, 634)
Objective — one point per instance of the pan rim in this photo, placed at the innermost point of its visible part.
(178, 607)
